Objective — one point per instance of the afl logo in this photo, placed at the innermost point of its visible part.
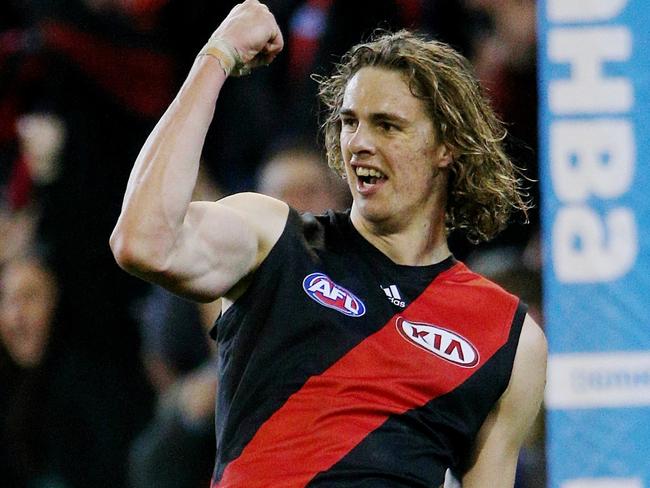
(442, 342)
(323, 290)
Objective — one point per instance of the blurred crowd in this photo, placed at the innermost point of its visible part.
(105, 380)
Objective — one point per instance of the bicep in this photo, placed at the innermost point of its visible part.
(497, 445)
(222, 242)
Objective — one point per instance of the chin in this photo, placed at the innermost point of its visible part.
(375, 214)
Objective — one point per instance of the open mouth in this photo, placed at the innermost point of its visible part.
(369, 176)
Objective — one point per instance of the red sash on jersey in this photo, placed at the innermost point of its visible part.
(386, 374)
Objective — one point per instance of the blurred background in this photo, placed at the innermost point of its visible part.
(105, 380)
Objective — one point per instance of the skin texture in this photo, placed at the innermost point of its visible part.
(206, 250)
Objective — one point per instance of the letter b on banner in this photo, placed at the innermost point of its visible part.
(592, 158)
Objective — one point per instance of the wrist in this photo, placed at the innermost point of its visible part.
(226, 54)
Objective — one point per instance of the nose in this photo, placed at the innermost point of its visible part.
(361, 143)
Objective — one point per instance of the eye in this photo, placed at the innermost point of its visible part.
(348, 122)
(387, 126)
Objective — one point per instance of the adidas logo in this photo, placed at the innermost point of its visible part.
(393, 295)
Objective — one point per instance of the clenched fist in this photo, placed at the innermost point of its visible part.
(252, 31)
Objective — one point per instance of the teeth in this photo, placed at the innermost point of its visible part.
(369, 172)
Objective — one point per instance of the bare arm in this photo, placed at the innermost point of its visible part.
(200, 249)
(503, 432)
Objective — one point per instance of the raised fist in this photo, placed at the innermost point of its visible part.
(252, 31)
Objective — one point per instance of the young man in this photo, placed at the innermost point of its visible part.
(354, 349)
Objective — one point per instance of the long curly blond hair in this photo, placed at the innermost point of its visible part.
(484, 186)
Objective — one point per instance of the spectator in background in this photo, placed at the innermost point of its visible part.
(176, 450)
(173, 340)
(41, 137)
(60, 423)
(17, 228)
(299, 176)
(504, 56)
(318, 32)
(29, 301)
(105, 69)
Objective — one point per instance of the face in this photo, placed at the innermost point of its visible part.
(27, 304)
(302, 181)
(392, 160)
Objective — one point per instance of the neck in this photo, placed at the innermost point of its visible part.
(418, 244)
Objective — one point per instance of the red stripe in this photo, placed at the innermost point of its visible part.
(141, 79)
(384, 375)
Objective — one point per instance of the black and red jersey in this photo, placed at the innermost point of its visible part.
(341, 368)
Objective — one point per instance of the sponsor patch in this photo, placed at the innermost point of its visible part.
(323, 290)
(438, 341)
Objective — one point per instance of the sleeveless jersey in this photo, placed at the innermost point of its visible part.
(340, 368)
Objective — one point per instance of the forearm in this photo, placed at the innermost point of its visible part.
(164, 175)
(195, 249)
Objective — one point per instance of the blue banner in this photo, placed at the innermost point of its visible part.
(595, 148)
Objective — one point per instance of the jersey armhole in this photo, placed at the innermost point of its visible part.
(273, 258)
(513, 338)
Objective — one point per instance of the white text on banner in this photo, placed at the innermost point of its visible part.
(598, 380)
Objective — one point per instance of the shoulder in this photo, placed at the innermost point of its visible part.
(525, 391)
(532, 351)
(256, 207)
(266, 216)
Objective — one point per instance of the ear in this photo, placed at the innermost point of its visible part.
(444, 156)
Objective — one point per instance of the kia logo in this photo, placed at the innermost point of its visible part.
(438, 341)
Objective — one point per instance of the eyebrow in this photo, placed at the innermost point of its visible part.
(378, 116)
